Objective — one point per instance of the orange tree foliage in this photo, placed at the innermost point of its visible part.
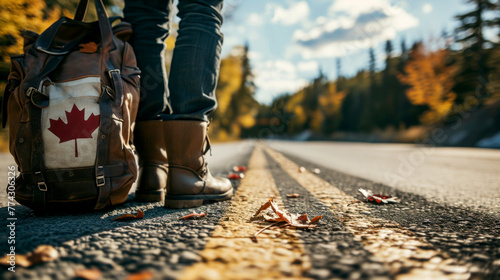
(16, 15)
(431, 82)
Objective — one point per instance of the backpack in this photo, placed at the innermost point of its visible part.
(71, 103)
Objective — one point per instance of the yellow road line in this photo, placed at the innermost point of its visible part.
(229, 252)
(406, 255)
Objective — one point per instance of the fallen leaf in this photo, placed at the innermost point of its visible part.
(128, 217)
(378, 198)
(236, 176)
(22, 260)
(277, 216)
(88, 274)
(141, 275)
(89, 47)
(303, 218)
(316, 219)
(42, 253)
(302, 169)
(293, 195)
(239, 168)
(193, 216)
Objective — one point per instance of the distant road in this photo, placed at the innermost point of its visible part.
(459, 176)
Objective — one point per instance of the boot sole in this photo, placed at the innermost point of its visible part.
(149, 196)
(190, 201)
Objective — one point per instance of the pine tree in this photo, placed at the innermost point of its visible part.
(470, 34)
(340, 78)
(389, 94)
(241, 107)
(370, 101)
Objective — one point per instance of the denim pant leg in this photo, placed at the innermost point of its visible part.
(150, 23)
(196, 60)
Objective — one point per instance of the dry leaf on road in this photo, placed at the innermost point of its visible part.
(236, 176)
(193, 216)
(378, 198)
(278, 216)
(42, 253)
(239, 168)
(88, 274)
(293, 195)
(141, 275)
(128, 217)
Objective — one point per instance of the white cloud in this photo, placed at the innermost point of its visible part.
(253, 56)
(255, 19)
(274, 77)
(308, 66)
(353, 25)
(297, 12)
(354, 8)
(427, 8)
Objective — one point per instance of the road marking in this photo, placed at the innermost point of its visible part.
(406, 255)
(229, 252)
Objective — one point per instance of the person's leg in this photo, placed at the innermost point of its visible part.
(150, 24)
(196, 60)
(192, 83)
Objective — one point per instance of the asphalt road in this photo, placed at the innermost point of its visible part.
(446, 226)
(455, 176)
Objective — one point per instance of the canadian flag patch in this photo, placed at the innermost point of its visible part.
(70, 124)
(76, 126)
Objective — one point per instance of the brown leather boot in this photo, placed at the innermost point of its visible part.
(150, 145)
(190, 183)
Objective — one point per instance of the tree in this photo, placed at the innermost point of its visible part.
(235, 89)
(17, 15)
(431, 82)
(470, 34)
(340, 78)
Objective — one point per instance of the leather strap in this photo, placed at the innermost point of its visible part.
(5, 101)
(44, 41)
(103, 182)
(68, 175)
(39, 185)
(108, 40)
(81, 10)
(37, 161)
(106, 104)
(116, 80)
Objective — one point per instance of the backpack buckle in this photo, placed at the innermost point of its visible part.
(41, 181)
(110, 72)
(42, 186)
(99, 179)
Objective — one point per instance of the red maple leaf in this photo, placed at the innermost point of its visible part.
(76, 127)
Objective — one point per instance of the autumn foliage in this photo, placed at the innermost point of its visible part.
(17, 15)
(431, 82)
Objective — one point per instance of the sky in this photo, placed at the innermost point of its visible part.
(290, 40)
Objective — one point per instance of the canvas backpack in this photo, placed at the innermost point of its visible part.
(71, 103)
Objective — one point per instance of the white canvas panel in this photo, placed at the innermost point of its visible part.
(70, 124)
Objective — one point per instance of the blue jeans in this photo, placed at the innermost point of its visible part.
(189, 93)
